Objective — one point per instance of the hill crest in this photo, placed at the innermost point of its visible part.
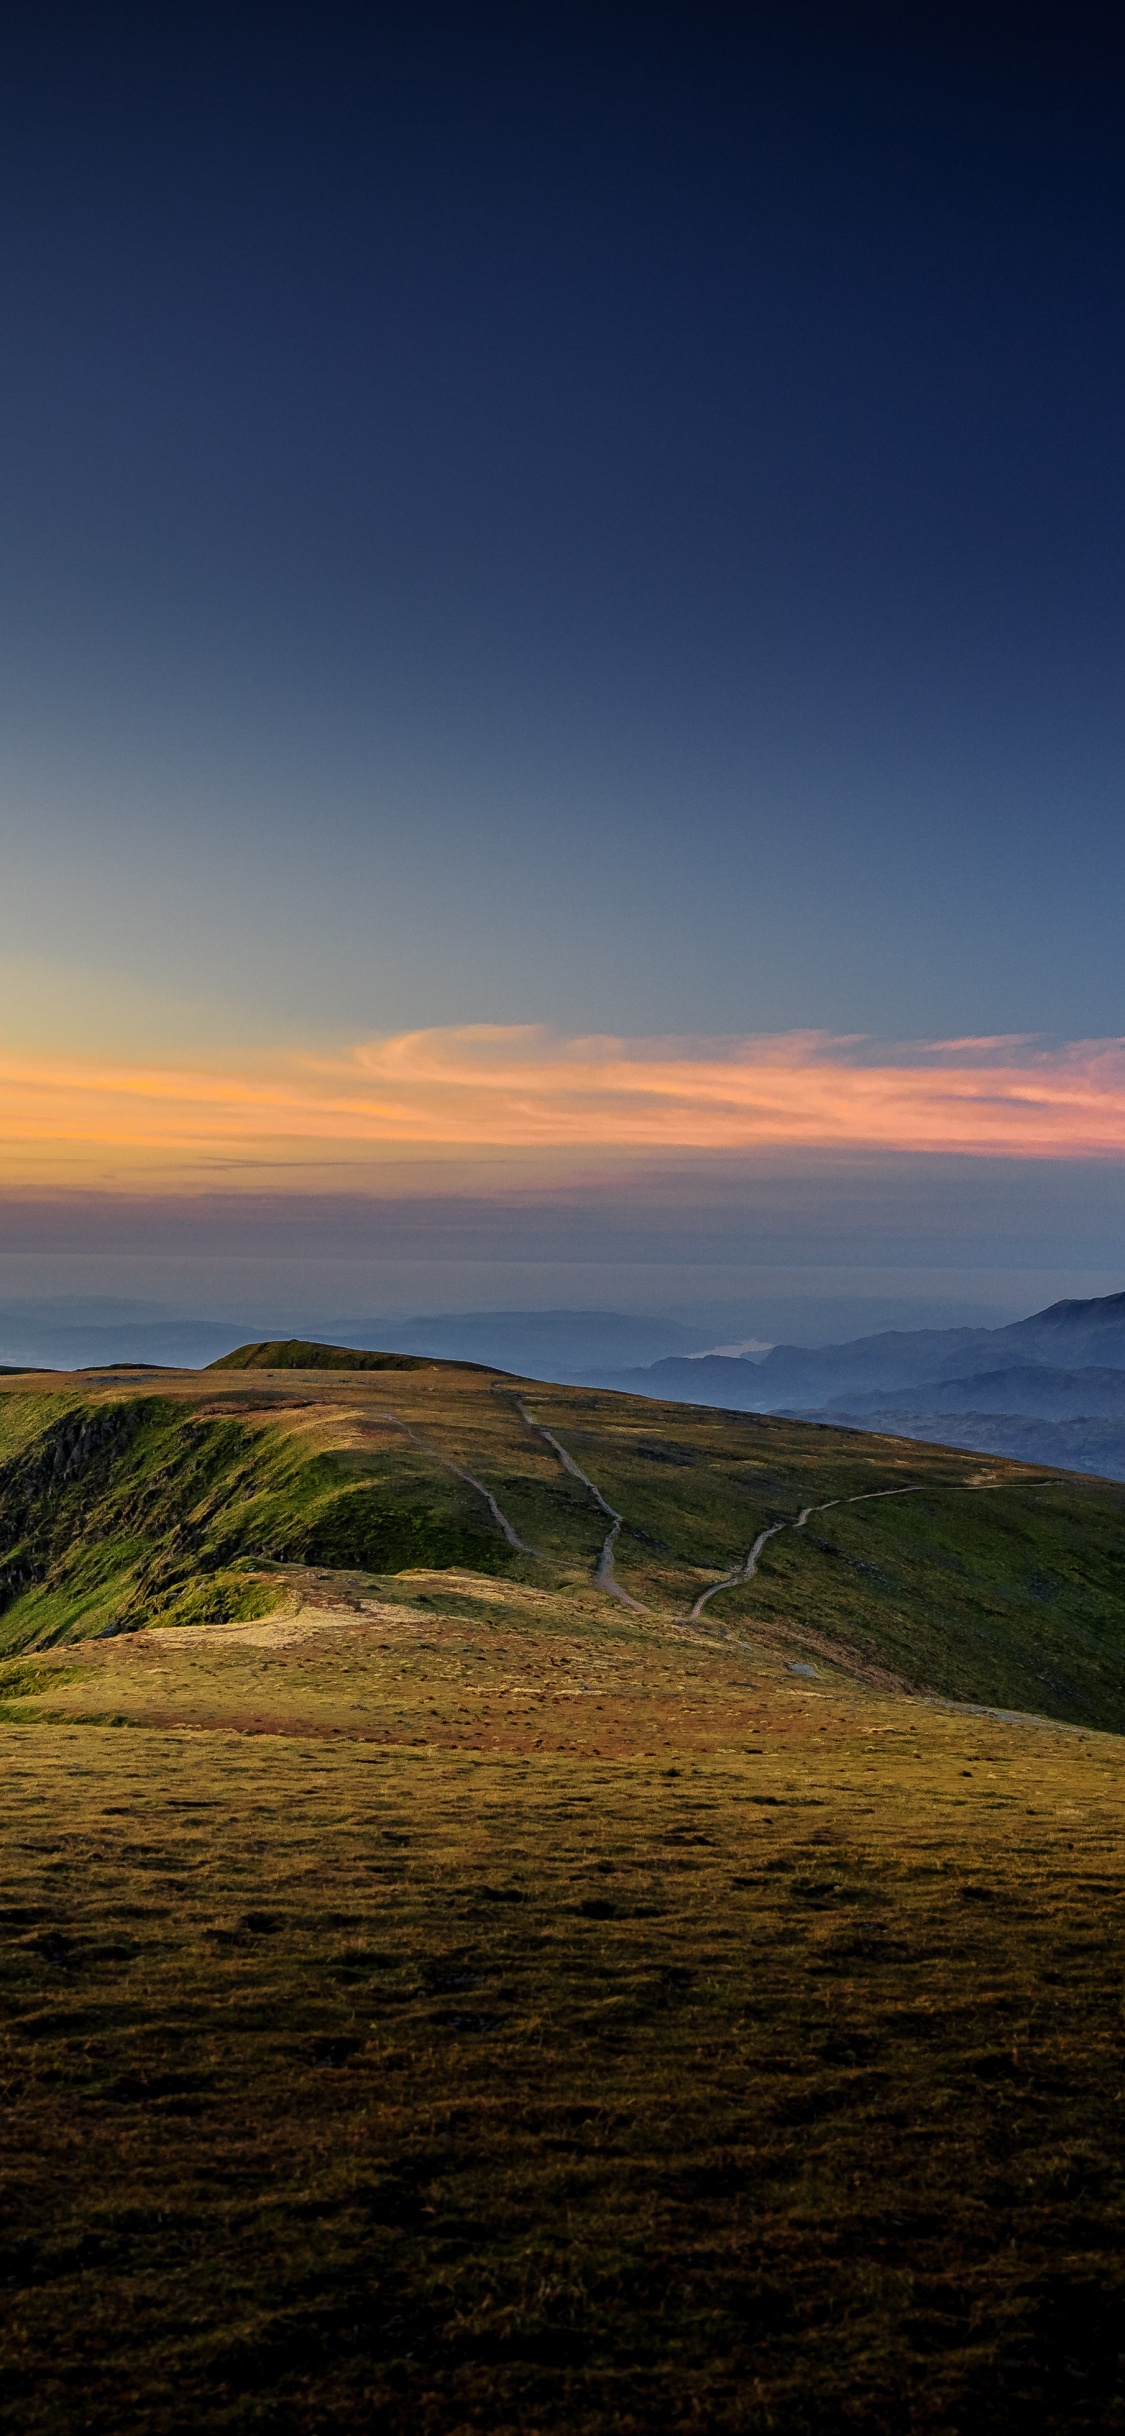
(305, 1353)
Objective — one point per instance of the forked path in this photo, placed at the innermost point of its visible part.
(604, 1576)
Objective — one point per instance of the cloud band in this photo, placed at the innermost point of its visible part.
(520, 1090)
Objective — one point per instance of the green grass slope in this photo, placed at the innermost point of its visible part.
(985, 1581)
(131, 1511)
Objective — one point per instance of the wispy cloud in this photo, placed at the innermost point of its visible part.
(522, 1090)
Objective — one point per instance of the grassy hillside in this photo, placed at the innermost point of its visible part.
(442, 1988)
(988, 1581)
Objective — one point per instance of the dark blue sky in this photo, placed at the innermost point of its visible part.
(605, 517)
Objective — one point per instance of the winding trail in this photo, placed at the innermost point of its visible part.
(913, 1488)
(746, 1572)
(604, 1576)
(512, 1536)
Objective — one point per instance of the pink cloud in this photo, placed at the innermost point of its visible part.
(520, 1089)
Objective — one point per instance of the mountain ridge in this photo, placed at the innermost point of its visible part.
(1032, 1388)
(794, 1377)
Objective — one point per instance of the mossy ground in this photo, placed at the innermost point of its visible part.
(449, 2000)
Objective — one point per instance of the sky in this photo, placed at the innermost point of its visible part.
(561, 709)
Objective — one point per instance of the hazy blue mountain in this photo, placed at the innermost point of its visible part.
(1032, 1387)
(1089, 1444)
(30, 1342)
(540, 1344)
(813, 1374)
(1068, 1336)
(727, 1380)
(1065, 1364)
(798, 1376)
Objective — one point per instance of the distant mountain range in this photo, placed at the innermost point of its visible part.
(559, 1345)
(1067, 1336)
(1091, 1445)
(1034, 1388)
(1050, 1388)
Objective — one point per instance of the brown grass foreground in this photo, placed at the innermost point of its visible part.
(535, 2016)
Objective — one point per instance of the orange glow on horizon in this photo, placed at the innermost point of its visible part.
(448, 1093)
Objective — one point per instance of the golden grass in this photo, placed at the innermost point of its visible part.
(451, 2004)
